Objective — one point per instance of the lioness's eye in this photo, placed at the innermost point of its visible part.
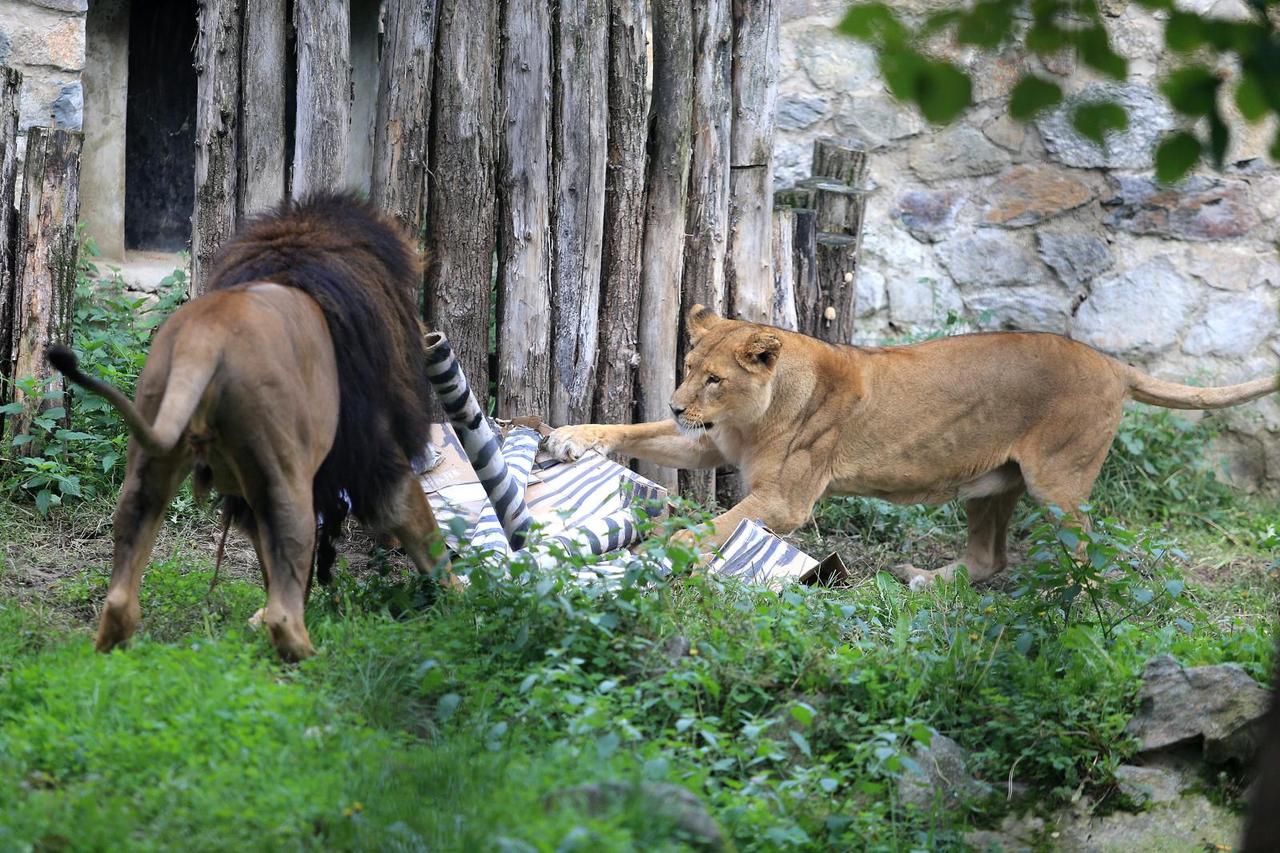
(712, 379)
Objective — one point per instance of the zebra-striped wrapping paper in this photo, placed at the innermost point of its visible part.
(756, 556)
(481, 445)
(519, 447)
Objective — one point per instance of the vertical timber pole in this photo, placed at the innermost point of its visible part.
(217, 133)
(262, 72)
(323, 30)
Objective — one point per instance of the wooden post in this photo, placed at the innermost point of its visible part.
(804, 267)
(707, 225)
(784, 283)
(524, 211)
(217, 132)
(579, 153)
(324, 95)
(47, 250)
(665, 207)
(839, 206)
(10, 89)
(262, 133)
(749, 277)
(836, 271)
(838, 162)
(624, 212)
(402, 134)
(460, 209)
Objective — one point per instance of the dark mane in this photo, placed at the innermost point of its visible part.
(363, 272)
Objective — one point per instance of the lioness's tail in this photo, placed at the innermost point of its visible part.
(1171, 395)
(180, 400)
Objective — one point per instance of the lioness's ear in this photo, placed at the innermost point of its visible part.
(699, 321)
(760, 351)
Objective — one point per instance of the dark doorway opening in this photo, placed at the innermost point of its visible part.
(160, 125)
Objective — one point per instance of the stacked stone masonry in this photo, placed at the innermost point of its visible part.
(45, 40)
(1032, 227)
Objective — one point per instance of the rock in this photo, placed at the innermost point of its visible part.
(1006, 132)
(1020, 834)
(1139, 312)
(928, 214)
(1025, 195)
(1188, 825)
(990, 260)
(922, 301)
(678, 805)
(960, 152)
(1198, 209)
(835, 63)
(1029, 309)
(43, 39)
(675, 647)
(943, 777)
(797, 112)
(1233, 325)
(1076, 258)
(871, 297)
(1149, 118)
(1148, 785)
(6, 46)
(1230, 267)
(68, 109)
(1220, 705)
(876, 120)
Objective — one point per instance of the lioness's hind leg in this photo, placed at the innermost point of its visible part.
(414, 524)
(147, 490)
(986, 550)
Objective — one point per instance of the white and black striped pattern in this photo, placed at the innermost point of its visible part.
(519, 447)
(602, 535)
(755, 556)
(581, 492)
(478, 441)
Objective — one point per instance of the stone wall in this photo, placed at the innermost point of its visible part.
(1013, 226)
(44, 39)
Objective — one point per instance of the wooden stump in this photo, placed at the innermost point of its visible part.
(324, 95)
(804, 268)
(839, 206)
(665, 208)
(45, 260)
(260, 169)
(402, 128)
(460, 211)
(524, 211)
(217, 133)
(838, 162)
(707, 222)
(784, 283)
(837, 270)
(10, 86)
(624, 213)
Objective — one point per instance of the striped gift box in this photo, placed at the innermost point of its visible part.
(756, 556)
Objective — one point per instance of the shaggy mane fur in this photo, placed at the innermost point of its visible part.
(363, 272)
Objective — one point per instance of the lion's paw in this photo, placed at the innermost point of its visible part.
(255, 621)
(571, 442)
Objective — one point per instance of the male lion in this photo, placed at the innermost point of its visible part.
(979, 417)
(295, 386)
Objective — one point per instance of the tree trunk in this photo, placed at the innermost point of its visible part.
(839, 206)
(707, 226)
(624, 212)
(840, 163)
(460, 211)
(580, 151)
(750, 270)
(217, 133)
(524, 235)
(10, 89)
(669, 154)
(261, 164)
(324, 95)
(784, 284)
(402, 129)
(755, 95)
(804, 267)
(837, 270)
(45, 269)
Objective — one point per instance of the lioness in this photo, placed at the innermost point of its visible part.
(295, 386)
(978, 417)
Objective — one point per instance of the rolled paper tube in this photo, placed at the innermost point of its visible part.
(478, 441)
(519, 448)
(600, 535)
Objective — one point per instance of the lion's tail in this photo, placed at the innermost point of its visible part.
(1171, 395)
(182, 395)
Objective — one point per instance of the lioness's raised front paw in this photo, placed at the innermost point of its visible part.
(570, 442)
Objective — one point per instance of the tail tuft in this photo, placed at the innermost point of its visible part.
(63, 359)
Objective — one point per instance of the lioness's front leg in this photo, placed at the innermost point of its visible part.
(659, 442)
(781, 500)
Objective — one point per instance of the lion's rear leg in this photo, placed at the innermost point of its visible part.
(285, 540)
(147, 490)
(414, 524)
(986, 550)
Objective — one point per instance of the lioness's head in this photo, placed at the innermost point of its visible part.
(728, 373)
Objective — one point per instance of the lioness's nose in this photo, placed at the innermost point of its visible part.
(677, 410)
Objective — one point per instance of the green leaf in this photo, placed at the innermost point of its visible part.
(943, 91)
(1219, 139)
(801, 743)
(1174, 587)
(873, 22)
(1184, 32)
(803, 713)
(43, 500)
(988, 24)
(1176, 155)
(1251, 98)
(1045, 38)
(1192, 90)
(1095, 120)
(1095, 51)
(1031, 95)
(11, 409)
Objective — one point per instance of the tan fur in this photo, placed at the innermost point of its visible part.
(243, 380)
(976, 417)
